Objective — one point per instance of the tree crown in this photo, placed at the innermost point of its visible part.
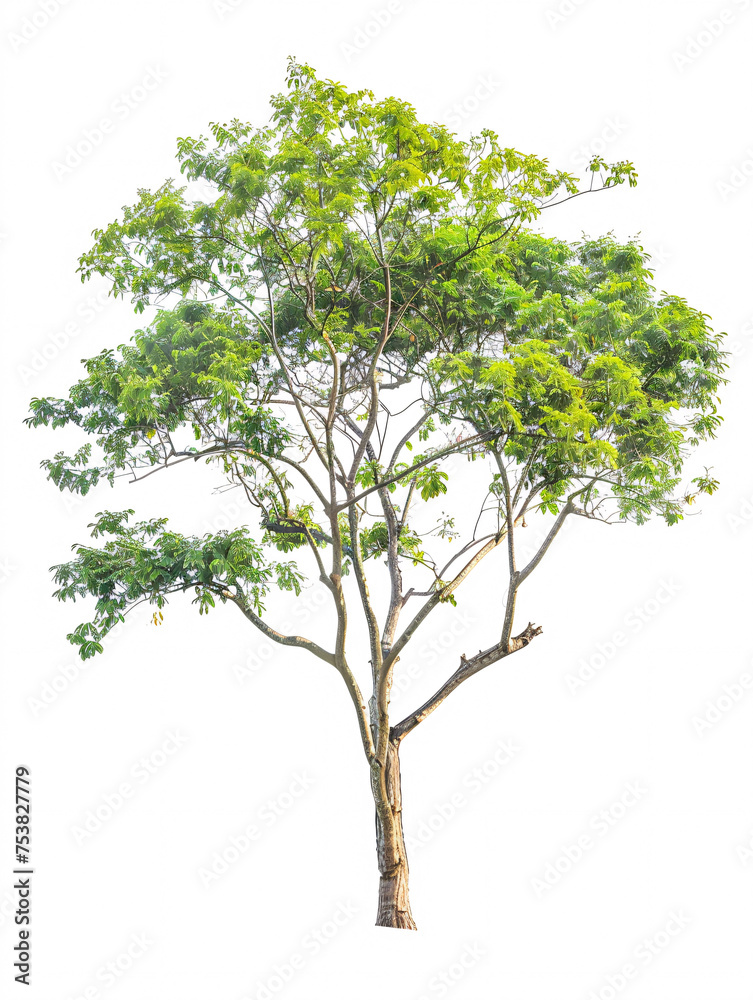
(356, 298)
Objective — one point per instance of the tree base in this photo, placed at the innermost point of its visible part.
(394, 908)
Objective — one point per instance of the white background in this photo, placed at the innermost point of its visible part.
(601, 76)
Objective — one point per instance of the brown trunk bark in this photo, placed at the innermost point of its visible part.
(394, 906)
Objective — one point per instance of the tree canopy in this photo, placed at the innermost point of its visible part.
(359, 299)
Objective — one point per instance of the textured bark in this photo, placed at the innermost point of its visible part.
(394, 906)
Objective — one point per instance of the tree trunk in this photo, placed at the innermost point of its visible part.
(394, 907)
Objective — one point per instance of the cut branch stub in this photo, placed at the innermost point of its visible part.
(528, 633)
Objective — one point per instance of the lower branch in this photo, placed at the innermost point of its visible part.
(467, 668)
(302, 643)
(274, 635)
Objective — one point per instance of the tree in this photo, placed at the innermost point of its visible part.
(358, 301)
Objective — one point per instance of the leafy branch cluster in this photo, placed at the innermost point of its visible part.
(360, 303)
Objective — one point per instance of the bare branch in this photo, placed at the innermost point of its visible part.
(441, 595)
(302, 643)
(404, 440)
(467, 668)
(569, 508)
(284, 640)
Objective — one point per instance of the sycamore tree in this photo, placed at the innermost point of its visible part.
(355, 302)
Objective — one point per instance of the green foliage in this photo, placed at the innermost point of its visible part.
(597, 377)
(346, 240)
(431, 482)
(375, 542)
(291, 531)
(146, 562)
